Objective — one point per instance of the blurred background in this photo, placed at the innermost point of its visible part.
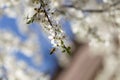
(93, 31)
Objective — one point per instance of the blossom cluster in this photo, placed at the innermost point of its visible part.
(29, 47)
(10, 67)
(45, 16)
(99, 26)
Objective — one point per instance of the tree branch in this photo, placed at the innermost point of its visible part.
(94, 10)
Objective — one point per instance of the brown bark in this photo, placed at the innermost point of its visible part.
(82, 67)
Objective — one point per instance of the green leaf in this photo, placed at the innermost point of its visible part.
(63, 51)
(30, 21)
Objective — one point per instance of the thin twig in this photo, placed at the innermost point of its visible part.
(46, 14)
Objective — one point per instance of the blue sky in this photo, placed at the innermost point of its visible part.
(49, 62)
